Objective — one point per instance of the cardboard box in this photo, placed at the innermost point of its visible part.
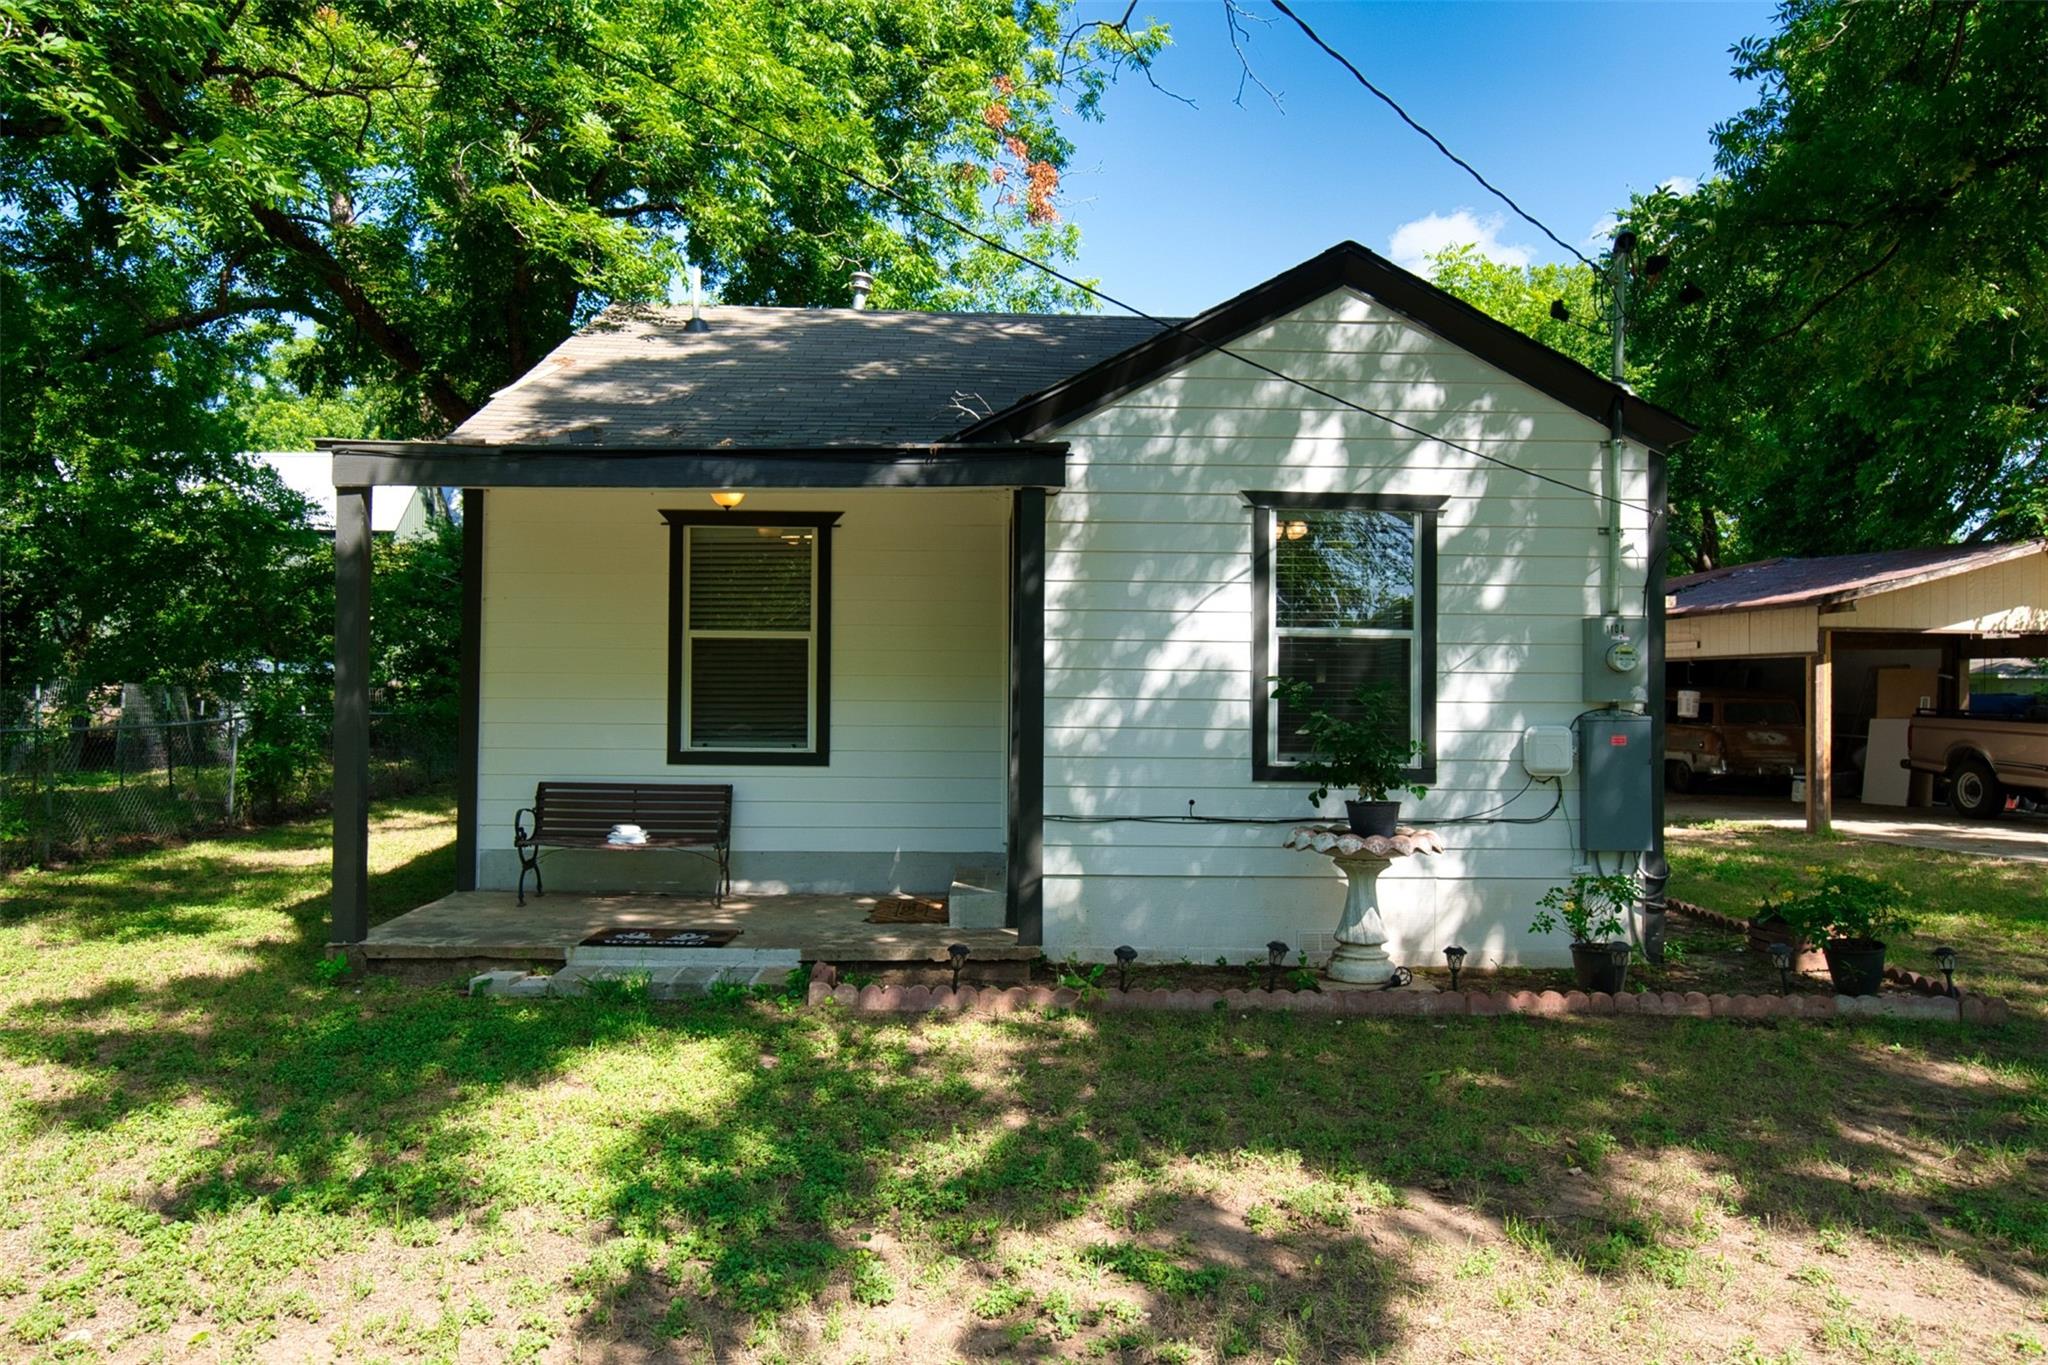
(1902, 687)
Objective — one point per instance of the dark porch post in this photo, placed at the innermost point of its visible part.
(1026, 891)
(351, 715)
(467, 730)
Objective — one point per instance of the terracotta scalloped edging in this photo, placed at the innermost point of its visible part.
(825, 986)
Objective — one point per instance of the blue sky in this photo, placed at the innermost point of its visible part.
(1566, 106)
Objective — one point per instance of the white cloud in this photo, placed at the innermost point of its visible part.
(1413, 243)
(1680, 185)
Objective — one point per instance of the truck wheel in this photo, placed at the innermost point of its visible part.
(1974, 791)
(1677, 776)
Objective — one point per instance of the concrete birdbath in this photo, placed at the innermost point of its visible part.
(1361, 954)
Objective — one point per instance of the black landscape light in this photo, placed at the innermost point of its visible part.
(1456, 957)
(1125, 956)
(1276, 953)
(1945, 958)
(958, 952)
(1781, 953)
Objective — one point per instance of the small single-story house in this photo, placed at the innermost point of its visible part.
(1001, 596)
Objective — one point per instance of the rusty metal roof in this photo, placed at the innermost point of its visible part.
(1830, 579)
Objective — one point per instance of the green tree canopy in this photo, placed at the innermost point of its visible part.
(1854, 309)
(448, 190)
(223, 225)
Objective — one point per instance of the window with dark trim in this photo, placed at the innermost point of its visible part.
(1343, 593)
(749, 637)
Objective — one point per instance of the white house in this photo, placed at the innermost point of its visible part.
(1002, 593)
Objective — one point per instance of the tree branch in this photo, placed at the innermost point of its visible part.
(1818, 308)
(289, 233)
(186, 322)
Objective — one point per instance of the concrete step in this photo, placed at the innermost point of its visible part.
(978, 899)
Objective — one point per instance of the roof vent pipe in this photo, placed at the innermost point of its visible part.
(862, 283)
(697, 323)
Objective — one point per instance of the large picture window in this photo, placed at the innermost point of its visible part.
(1344, 594)
(749, 637)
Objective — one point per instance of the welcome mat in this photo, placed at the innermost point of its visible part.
(660, 938)
(908, 910)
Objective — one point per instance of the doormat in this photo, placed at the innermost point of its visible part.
(909, 910)
(660, 938)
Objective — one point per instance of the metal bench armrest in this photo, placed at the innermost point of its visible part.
(519, 831)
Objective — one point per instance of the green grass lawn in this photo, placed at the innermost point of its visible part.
(1992, 911)
(209, 1153)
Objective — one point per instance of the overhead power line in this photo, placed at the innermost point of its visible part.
(1164, 324)
(1384, 98)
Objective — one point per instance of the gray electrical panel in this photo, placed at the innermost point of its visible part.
(1617, 659)
(1616, 769)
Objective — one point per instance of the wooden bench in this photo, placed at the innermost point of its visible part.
(696, 819)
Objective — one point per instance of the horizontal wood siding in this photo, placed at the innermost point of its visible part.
(2008, 598)
(575, 673)
(1742, 634)
(1149, 653)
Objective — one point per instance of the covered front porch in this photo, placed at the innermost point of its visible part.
(928, 621)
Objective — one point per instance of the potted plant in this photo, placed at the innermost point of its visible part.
(1592, 910)
(1769, 926)
(1368, 752)
(1852, 917)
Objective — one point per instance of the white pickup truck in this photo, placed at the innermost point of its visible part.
(1986, 759)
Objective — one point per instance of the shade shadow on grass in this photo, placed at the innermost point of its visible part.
(742, 1163)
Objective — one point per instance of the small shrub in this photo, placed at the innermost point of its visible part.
(1844, 905)
(329, 971)
(1590, 907)
(284, 741)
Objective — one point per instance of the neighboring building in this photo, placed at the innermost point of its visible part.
(400, 512)
(1004, 592)
(1858, 643)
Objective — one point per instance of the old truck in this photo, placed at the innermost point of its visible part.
(1988, 753)
(1733, 734)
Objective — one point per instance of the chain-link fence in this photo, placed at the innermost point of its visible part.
(79, 789)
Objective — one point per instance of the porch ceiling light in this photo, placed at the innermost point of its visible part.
(1290, 530)
(728, 499)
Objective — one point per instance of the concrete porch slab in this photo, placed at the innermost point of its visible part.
(481, 925)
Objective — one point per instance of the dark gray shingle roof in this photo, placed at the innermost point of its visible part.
(1794, 582)
(790, 376)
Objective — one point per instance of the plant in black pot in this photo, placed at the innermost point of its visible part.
(1367, 751)
(1591, 910)
(1852, 918)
